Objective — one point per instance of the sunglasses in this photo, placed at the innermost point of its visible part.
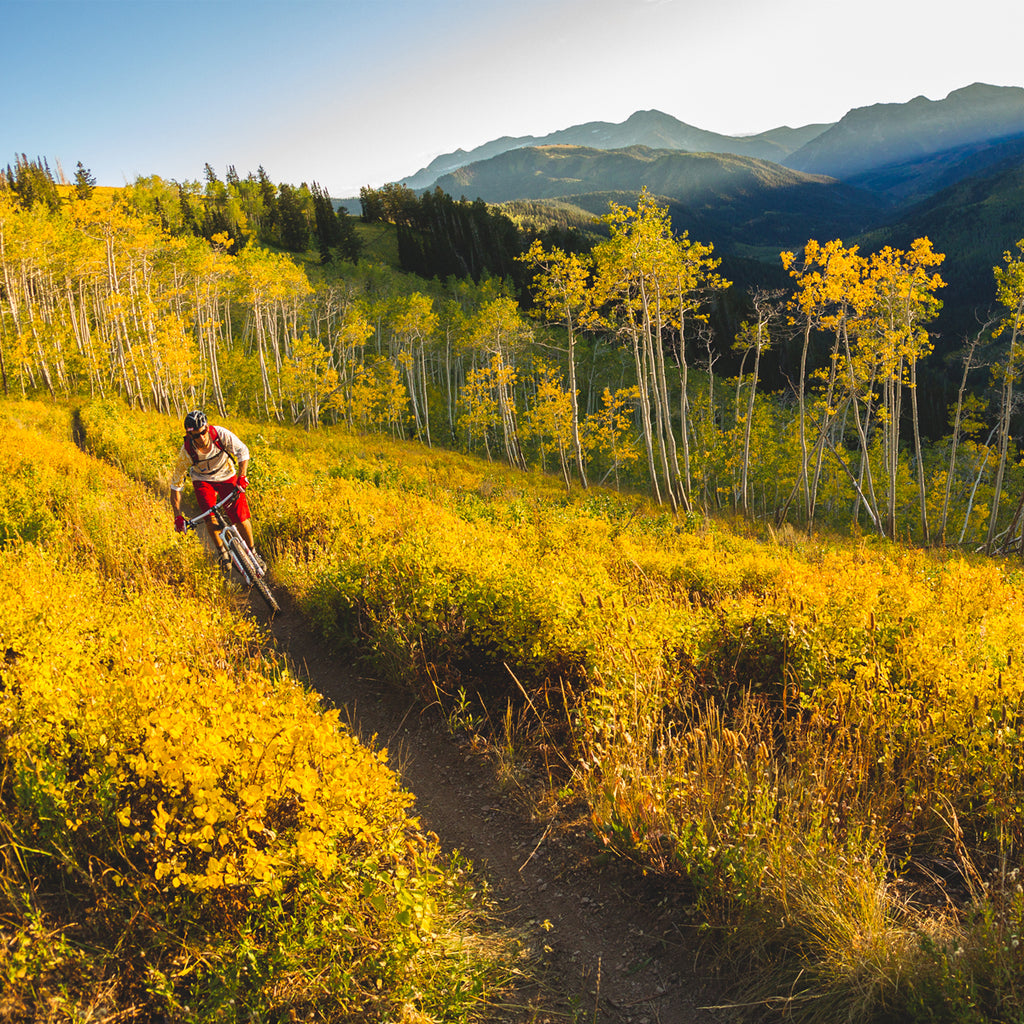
(196, 433)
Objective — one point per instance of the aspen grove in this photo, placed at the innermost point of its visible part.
(605, 372)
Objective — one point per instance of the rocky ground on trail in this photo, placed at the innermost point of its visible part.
(604, 944)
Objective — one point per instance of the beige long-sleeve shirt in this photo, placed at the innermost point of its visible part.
(213, 465)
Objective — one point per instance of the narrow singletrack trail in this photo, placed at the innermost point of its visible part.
(606, 944)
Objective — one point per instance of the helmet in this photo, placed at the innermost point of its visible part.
(195, 420)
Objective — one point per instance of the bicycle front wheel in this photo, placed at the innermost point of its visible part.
(254, 579)
(268, 596)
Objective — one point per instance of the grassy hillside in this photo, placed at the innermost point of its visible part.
(539, 216)
(186, 833)
(814, 740)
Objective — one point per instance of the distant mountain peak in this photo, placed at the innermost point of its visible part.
(644, 116)
(891, 133)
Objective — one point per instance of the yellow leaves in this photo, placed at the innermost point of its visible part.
(560, 286)
(161, 819)
(252, 796)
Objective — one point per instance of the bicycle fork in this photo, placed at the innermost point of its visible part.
(222, 546)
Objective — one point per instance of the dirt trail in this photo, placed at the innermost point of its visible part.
(614, 949)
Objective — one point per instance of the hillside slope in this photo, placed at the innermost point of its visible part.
(973, 222)
(886, 133)
(726, 198)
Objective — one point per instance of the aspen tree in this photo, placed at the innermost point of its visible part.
(825, 279)
(894, 302)
(413, 322)
(696, 279)
(480, 404)
(273, 286)
(650, 282)
(968, 361)
(310, 377)
(349, 341)
(560, 289)
(453, 322)
(609, 430)
(499, 330)
(625, 266)
(84, 272)
(550, 417)
(1010, 294)
(755, 337)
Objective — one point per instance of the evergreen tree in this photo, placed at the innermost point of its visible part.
(328, 230)
(349, 244)
(158, 209)
(439, 237)
(270, 219)
(188, 216)
(294, 225)
(84, 182)
(33, 183)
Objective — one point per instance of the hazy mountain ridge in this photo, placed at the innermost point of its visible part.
(899, 150)
(912, 180)
(889, 133)
(650, 128)
(566, 170)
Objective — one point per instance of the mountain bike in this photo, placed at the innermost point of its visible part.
(233, 550)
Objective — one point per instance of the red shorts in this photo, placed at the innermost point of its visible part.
(208, 493)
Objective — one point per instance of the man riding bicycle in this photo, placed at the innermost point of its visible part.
(206, 455)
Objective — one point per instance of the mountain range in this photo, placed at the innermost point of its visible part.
(649, 128)
(883, 174)
(864, 140)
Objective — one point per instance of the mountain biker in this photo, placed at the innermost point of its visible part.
(217, 461)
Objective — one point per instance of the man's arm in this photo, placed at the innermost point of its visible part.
(234, 445)
(178, 475)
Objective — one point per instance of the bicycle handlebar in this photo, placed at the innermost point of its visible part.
(191, 524)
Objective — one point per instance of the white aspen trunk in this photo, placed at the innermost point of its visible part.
(750, 420)
(426, 402)
(1004, 433)
(639, 358)
(955, 440)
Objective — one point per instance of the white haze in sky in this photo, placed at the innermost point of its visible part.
(362, 92)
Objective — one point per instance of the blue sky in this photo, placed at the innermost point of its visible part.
(361, 92)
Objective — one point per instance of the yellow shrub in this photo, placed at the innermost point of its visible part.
(153, 756)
